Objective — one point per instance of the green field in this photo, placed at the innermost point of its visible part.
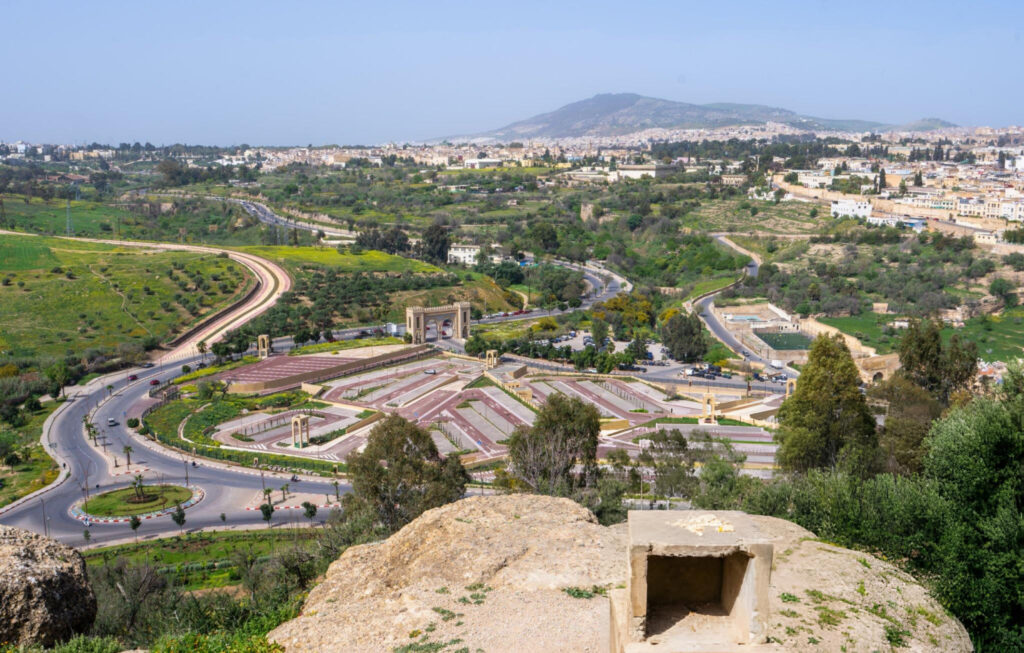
(785, 341)
(710, 285)
(32, 468)
(730, 215)
(371, 261)
(202, 560)
(998, 337)
(866, 327)
(59, 295)
(119, 503)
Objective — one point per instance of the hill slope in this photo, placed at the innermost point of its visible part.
(616, 114)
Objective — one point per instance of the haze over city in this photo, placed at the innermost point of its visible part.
(349, 73)
(536, 327)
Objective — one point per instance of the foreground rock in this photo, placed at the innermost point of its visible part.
(491, 573)
(45, 595)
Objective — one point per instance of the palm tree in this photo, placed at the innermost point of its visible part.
(127, 450)
(137, 486)
(337, 495)
(266, 492)
(135, 522)
(284, 492)
(110, 389)
(201, 348)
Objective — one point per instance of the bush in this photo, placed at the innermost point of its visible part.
(132, 422)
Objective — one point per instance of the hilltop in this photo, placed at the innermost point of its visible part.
(530, 573)
(617, 114)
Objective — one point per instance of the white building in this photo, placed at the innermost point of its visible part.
(482, 163)
(653, 170)
(463, 254)
(851, 208)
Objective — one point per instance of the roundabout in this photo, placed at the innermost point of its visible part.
(142, 501)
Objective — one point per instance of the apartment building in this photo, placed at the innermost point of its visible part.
(851, 208)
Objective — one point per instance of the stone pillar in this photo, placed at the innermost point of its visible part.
(790, 386)
(263, 345)
(492, 359)
(300, 430)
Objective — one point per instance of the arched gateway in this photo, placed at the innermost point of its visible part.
(456, 315)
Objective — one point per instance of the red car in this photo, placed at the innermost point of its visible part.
(154, 382)
(133, 377)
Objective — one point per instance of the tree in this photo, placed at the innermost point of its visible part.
(918, 179)
(881, 180)
(975, 454)
(400, 474)
(201, 348)
(86, 535)
(683, 336)
(939, 369)
(910, 411)
(58, 374)
(598, 331)
(637, 349)
(826, 422)
(127, 450)
(134, 523)
(435, 244)
(309, 510)
(1004, 289)
(268, 512)
(672, 459)
(564, 434)
(178, 516)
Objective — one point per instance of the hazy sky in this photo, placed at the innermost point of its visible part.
(280, 73)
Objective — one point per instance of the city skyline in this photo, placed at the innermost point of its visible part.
(268, 75)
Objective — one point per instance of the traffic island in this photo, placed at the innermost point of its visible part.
(698, 581)
(121, 505)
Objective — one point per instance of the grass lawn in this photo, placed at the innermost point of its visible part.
(369, 261)
(785, 341)
(58, 295)
(125, 502)
(215, 369)
(341, 345)
(202, 560)
(35, 469)
(709, 285)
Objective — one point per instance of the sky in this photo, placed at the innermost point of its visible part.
(301, 72)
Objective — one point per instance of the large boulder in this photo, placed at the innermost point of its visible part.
(45, 595)
(492, 573)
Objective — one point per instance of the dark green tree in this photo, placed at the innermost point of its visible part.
(400, 474)
(683, 336)
(826, 422)
(940, 369)
(544, 457)
(435, 243)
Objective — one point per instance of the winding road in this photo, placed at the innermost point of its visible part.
(85, 468)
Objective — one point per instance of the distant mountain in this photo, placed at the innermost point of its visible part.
(616, 114)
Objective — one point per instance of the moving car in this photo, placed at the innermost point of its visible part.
(133, 377)
(154, 382)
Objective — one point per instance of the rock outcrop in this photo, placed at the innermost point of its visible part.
(45, 595)
(492, 573)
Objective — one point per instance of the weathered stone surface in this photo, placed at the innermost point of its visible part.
(509, 558)
(45, 595)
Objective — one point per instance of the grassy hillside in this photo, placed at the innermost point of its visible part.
(369, 261)
(58, 295)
